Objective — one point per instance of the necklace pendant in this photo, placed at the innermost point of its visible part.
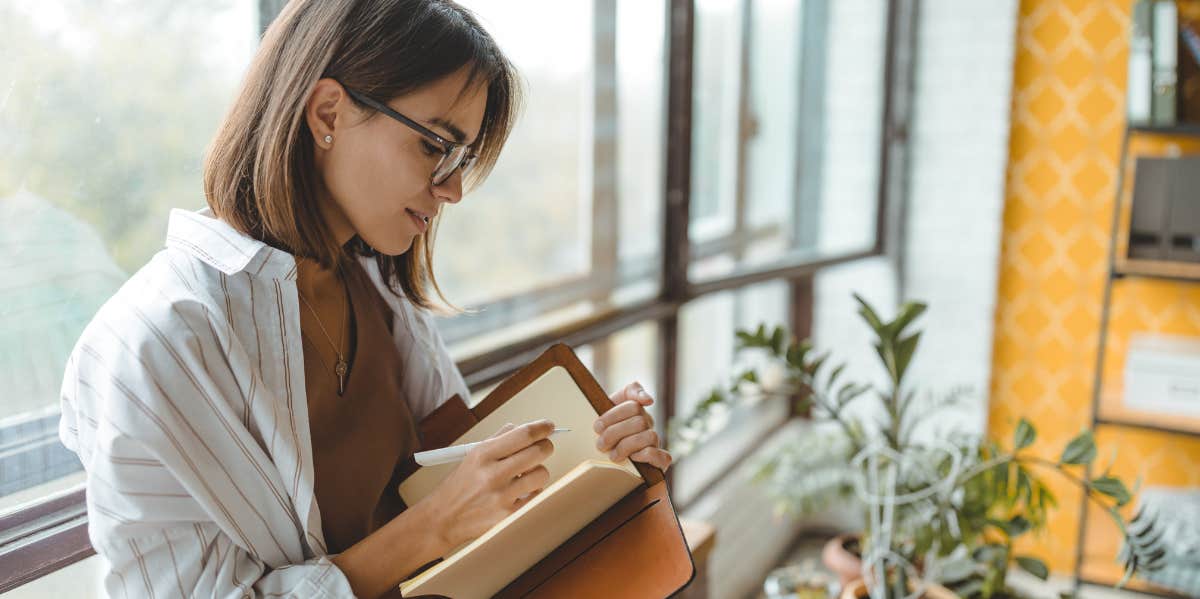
(340, 370)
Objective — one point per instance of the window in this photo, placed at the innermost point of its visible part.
(786, 130)
(706, 347)
(564, 228)
(778, 104)
(96, 151)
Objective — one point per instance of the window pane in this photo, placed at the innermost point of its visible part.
(106, 109)
(527, 225)
(706, 354)
(800, 175)
(715, 96)
(569, 223)
(772, 151)
(641, 86)
(853, 110)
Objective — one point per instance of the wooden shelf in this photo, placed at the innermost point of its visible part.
(1112, 412)
(1188, 129)
(1160, 269)
(1105, 572)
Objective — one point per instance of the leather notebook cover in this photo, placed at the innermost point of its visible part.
(634, 548)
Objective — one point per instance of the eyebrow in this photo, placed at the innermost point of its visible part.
(455, 132)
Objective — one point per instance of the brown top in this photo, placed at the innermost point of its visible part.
(359, 438)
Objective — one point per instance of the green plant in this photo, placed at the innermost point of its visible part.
(994, 494)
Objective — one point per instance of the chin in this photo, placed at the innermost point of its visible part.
(394, 246)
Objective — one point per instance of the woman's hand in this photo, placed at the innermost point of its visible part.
(627, 430)
(494, 480)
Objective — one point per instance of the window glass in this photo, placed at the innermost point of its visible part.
(106, 109)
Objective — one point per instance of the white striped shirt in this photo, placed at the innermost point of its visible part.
(185, 401)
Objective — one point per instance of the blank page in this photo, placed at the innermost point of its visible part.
(521, 540)
(553, 395)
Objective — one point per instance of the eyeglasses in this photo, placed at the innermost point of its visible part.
(455, 155)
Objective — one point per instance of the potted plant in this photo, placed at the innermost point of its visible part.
(953, 505)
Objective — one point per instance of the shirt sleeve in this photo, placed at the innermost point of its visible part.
(171, 515)
(158, 542)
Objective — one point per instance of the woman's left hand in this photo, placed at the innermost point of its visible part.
(627, 430)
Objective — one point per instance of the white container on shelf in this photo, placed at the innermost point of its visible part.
(1162, 374)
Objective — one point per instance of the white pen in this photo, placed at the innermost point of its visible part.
(454, 453)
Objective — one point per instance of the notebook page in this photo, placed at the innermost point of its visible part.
(553, 395)
(521, 540)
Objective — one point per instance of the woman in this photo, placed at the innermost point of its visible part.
(241, 405)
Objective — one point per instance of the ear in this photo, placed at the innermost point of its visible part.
(326, 110)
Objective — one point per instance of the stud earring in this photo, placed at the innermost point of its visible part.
(328, 139)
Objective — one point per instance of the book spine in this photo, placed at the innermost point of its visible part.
(1139, 87)
(1166, 52)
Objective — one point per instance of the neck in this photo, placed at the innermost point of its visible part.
(335, 219)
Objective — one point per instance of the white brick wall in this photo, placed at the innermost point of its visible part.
(956, 191)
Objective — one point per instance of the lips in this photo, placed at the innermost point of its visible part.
(421, 219)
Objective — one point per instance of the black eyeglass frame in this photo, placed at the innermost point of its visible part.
(449, 147)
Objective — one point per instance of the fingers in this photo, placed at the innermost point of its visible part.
(622, 411)
(527, 458)
(632, 392)
(659, 458)
(508, 442)
(503, 429)
(613, 434)
(633, 443)
(530, 481)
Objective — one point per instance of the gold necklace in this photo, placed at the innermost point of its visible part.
(340, 368)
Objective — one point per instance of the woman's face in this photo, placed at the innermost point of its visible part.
(377, 171)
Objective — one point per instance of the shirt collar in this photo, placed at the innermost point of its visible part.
(214, 242)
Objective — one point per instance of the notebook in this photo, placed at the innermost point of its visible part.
(573, 535)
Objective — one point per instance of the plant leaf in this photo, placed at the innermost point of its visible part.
(833, 376)
(1017, 526)
(1024, 436)
(1034, 566)
(908, 313)
(1081, 450)
(868, 314)
(905, 348)
(1113, 487)
(777, 340)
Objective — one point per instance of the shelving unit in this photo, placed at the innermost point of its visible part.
(1107, 410)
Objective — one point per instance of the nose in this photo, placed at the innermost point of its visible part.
(450, 190)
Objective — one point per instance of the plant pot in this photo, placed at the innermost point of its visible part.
(857, 589)
(840, 560)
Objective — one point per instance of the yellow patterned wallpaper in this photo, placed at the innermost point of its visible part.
(1067, 126)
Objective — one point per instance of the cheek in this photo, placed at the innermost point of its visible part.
(369, 179)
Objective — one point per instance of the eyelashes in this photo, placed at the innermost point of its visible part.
(429, 149)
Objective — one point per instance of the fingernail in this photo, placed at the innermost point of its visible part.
(612, 455)
(598, 426)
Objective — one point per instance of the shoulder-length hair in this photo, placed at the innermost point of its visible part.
(260, 174)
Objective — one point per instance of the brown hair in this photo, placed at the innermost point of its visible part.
(260, 175)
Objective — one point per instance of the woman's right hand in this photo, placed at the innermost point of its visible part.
(494, 480)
